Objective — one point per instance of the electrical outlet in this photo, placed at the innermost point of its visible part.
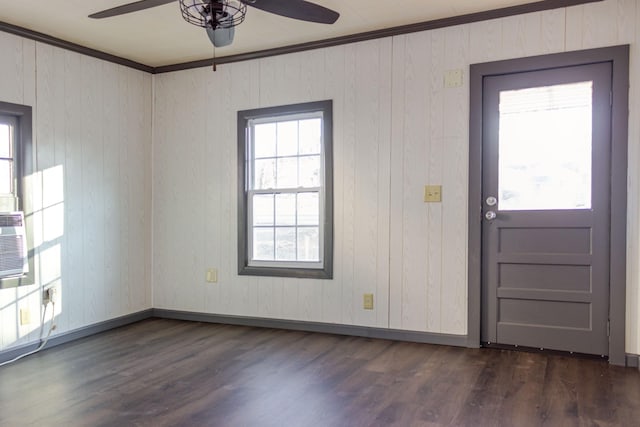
(49, 294)
(433, 193)
(212, 275)
(25, 316)
(368, 302)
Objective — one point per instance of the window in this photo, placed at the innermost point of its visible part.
(8, 177)
(285, 224)
(15, 165)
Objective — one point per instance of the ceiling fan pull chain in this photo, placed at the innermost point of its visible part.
(214, 59)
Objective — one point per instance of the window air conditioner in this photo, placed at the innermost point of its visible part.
(13, 245)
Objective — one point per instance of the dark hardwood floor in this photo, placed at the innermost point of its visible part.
(173, 373)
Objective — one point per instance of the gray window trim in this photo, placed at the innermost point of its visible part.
(23, 168)
(243, 174)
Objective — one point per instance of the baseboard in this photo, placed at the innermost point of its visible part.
(632, 361)
(77, 334)
(326, 328)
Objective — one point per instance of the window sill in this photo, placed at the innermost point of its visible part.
(300, 273)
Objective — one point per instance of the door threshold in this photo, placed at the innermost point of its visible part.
(545, 351)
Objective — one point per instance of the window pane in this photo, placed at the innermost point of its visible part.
(545, 148)
(308, 244)
(310, 171)
(288, 172)
(285, 209)
(263, 209)
(263, 244)
(265, 140)
(264, 174)
(310, 134)
(6, 177)
(308, 209)
(287, 138)
(285, 244)
(5, 141)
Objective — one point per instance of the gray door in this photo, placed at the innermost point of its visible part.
(546, 184)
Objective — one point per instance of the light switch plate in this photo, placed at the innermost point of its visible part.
(432, 193)
(453, 78)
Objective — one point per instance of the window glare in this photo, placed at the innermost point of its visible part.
(309, 171)
(263, 248)
(308, 244)
(287, 138)
(264, 174)
(308, 208)
(287, 173)
(264, 140)
(263, 209)
(5, 140)
(6, 177)
(286, 244)
(285, 209)
(310, 136)
(545, 147)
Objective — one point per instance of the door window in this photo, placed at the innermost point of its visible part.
(545, 147)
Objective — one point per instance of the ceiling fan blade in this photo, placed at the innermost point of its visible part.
(296, 9)
(128, 8)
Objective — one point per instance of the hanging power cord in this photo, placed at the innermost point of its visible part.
(52, 326)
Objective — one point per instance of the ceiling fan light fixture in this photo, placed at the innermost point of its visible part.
(213, 13)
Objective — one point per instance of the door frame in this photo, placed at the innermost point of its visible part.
(619, 57)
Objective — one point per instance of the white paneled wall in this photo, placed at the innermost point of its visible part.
(396, 128)
(90, 193)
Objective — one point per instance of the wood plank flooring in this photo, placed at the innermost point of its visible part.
(173, 373)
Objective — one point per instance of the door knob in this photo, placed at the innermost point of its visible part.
(491, 201)
(490, 215)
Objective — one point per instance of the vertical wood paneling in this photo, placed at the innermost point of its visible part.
(215, 195)
(574, 21)
(485, 41)
(91, 84)
(594, 33)
(348, 143)
(366, 183)
(81, 124)
(110, 162)
(13, 75)
(416, 151)
(73, 189)
(245, 95)
(46, 187)
(521, 35)
(626, 21)
(335, 90)
(436, 112)
(396, 226)
(553, 31)
(384, 184)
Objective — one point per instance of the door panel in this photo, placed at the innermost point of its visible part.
(546, 180)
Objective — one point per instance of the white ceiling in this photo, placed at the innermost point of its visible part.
(159, 36)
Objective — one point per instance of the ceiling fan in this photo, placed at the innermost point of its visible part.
(220, 17)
